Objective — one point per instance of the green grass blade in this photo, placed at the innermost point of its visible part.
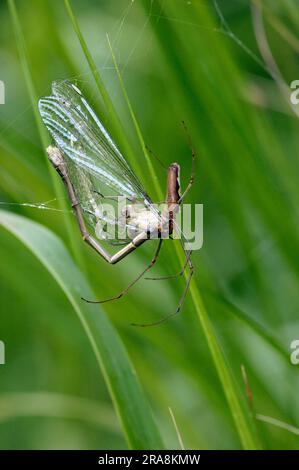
(92, 65)
(261, 330)
(41, 129)
(55, 405)
(247, 438)
(125, 390)
(27, 73)
(159, 192)
(278, 423)
(117, 127)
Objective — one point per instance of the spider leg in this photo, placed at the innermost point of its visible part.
(125, 291)
(172, 276)
(182, 299)
(192, 175)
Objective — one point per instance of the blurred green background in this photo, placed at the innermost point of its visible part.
(192, 60)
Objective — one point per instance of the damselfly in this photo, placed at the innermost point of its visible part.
(95, 172)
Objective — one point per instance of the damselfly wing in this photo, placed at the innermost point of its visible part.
(96, 167)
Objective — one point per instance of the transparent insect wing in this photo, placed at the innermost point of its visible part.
(81, 136)
(95, 165)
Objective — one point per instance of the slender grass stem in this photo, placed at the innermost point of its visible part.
(230, 389)
(118, 130)
(25, 64)
(226, 379)
(154, 177)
